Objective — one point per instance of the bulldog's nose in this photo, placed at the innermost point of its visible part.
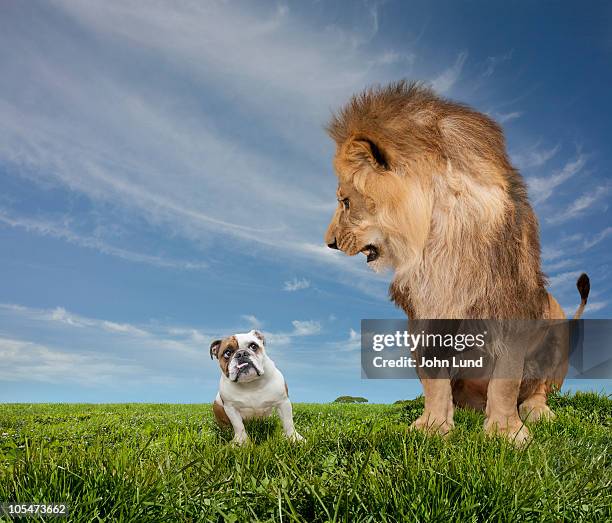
(241, 355)
(333, 245)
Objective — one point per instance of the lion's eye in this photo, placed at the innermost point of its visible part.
(227, 354)
(347, 204)
(253, 346)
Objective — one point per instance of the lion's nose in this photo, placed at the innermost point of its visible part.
(333, 245)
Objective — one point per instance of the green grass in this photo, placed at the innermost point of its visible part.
(133, 462)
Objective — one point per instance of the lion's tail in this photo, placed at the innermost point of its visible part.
(584, 286)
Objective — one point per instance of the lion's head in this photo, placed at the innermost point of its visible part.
(372, 198)
(425, 187)
(401, 158)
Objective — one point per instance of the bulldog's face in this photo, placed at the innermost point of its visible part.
(241, 356)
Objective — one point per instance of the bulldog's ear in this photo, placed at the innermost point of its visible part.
(214, 349)
(260, 336)
(361, 149)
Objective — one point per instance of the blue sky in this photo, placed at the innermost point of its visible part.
(165, 178)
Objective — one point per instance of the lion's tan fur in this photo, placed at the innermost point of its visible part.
(462, 235)
(430, 184)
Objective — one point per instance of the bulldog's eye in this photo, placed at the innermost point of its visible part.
(347, 204)
(227, 354)
(253, 346)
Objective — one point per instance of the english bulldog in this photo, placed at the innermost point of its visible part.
(251, 386)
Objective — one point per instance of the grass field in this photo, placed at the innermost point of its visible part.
(136, 462)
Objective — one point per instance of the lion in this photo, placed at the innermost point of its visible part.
(426, 188)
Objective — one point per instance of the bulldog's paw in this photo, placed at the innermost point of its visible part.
(513, 429)
(294, 437)
(240, 439)
(432, 425)
(532, 411)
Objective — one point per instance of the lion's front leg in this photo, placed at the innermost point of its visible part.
(437, 416)
(502, 414)
(534, 408)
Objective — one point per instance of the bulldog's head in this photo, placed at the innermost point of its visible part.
(241, 356)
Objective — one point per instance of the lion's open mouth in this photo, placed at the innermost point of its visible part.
(371, 252)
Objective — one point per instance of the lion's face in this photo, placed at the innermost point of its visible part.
(354, 228)
(381, 213)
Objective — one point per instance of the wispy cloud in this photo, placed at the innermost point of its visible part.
(551, 253)
(154, 351)
(252, 320)
(580, 205)
(350, 344)
(27, 361)
(161, 152)
(564, 278)
(597, 238)
(296, 284)
(534, 156)
(507, 117)
(596, 306)
(306, 328)
(562, 264)
(47, 228)
(590, 308)
(447, 79)
(541, 188)
(492, 62)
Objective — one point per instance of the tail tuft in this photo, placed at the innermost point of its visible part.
(584, 287)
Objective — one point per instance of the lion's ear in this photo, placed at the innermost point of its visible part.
(363, 149)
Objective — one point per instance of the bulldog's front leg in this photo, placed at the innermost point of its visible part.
(437, 416)
(240, 434)
(285, 412)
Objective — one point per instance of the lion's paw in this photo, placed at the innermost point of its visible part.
(432, 425)
(535, 411)
(514, 430)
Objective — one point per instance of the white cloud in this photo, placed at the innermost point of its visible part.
(596, 306)
(598, 238)
(492, 62)
(541, 188)
(27, 361)
(507, 117)
(252, 320)
(48, 228)
(551, 253)
(534, 157)
(563, 264)
(55, 345)
(447, 79)
(123, 328)
(158, 151)
(306, 328)
(60, 314)
(296, 285)
(591, 307)
(580, 205)
(350, 344)
(564, 278)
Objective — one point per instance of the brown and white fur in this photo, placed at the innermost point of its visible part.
(425, 187)
(251, 386)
